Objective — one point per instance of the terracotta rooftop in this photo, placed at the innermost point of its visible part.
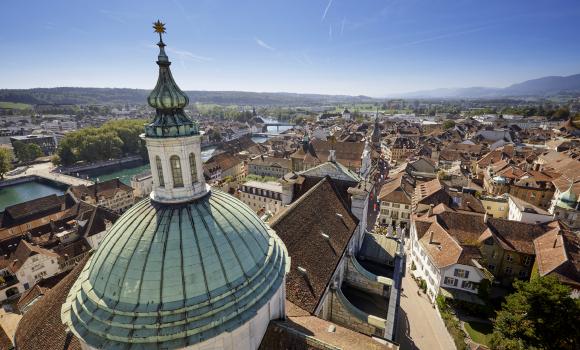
(106, 189)
(317, 151)
(515, 235)
(558, 253)
(398, 190)
(302, 331)
(41, 327)
(316, 230)
(24, 251)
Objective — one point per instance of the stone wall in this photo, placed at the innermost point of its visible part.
(364, 280)
(347, 315)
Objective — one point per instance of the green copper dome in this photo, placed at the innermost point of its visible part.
(168, 100)
(169, 276)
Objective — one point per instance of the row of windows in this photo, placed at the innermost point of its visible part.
(262, 192)
(508, 270)
(450, 281)
(176, 172)
(396, 205)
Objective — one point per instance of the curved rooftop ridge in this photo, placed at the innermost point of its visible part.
(176, 273)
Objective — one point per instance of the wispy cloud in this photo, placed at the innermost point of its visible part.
(188, 56)
(441, 36)
(342, 25)
(326, 10)
(114, 16)
(261, 43)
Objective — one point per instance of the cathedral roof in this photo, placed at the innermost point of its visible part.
(168, 276)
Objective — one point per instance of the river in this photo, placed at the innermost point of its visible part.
(24, 192)
(32, 190)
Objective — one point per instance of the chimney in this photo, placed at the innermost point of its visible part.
(485, 218)
(430, 237)
(430, 212)
(332, 156)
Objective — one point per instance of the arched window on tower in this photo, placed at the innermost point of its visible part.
(159, 171)
(193, 168)
(176, 171)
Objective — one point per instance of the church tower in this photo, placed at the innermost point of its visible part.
(173, 139)
(187, 268)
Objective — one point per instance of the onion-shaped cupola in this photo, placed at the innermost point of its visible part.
(168, 100)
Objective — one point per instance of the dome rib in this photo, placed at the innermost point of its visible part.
(239, 234)
(144, 265)
(226, 236)
(215, 247)
(111, 267)
(190, 217)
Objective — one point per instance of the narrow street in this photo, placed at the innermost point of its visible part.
(420, 327)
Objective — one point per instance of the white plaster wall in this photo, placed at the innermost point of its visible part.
(44, 263)
(182, 147)
(474, 276)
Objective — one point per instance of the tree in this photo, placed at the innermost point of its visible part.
(540, 314)
(27, 152)
(561, 114)
(5, 162)
(448, 124)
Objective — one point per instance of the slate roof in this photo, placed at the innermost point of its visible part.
(41, 327)
(301, 228)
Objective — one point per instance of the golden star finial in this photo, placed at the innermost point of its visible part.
(159, 27)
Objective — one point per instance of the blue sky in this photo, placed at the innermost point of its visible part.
(368, 47)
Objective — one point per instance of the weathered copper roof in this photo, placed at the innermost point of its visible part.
(168, 99)
(169, 276)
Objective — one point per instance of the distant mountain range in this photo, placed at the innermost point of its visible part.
(108, 96)
(541, 87)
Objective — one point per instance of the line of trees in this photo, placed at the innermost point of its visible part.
(27, 152)
(114, 139)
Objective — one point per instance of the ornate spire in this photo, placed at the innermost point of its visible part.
(168, 99)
